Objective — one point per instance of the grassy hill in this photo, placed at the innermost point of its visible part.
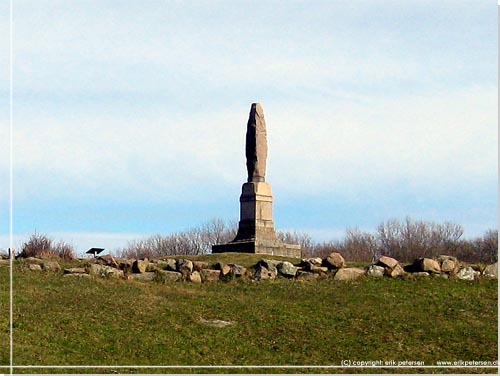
(71, 321)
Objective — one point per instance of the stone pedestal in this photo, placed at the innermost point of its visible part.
(256, 232)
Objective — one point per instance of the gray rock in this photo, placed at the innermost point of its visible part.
(200, 265)
(467, 274)
(395, 272)
(318, 269)
(347, 274)
(171, 265)
(261, 272)
(104, 271)
(306, 276)
(427, 265)
(386, 261)
(75, 271)
(491, 271)
(168, 276)
(375, 271)
(194, 277)
(225, 270)
(237, 270)
(287, 269)
(270, 265)
(52, 266)
(108, 260)
(335, 261)
(184, 266)
(313, 261)
(126, 265)
(35, 267)
(449, 264)
(146, 276)
(209, 275)
(77, 275)
(139, 266)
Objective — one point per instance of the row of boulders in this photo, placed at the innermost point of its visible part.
(180, 269)
(443, 266)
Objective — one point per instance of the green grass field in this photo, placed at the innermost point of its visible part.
(65, 321)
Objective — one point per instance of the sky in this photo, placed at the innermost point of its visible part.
(129, 116)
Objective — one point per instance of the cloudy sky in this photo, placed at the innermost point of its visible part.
(130, 115)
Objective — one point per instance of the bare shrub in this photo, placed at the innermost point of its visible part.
(411, 239)
(195, 241)
(483, 249)
(359, 246)
(304, 240)
(42, 246)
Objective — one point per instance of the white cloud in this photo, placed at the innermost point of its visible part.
(326, 146)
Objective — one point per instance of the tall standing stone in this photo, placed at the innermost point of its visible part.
(256, 144)
(256, 232)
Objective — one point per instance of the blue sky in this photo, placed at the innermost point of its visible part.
(129, 116)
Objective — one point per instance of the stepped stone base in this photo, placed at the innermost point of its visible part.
(256, 232)
(250, 246)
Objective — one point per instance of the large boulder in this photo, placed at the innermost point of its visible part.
(237, 270)
(387, 262)
(491, 271)
(467, 274)
(287, 269)
(426, 265)
(144, 276)
(449, 264)
(51, 266)
(312, 261)
(194, 277)
(208, 275)
(335, 261)
(270, 265)
(200, 265)
(395, 272)
(185, 267)
(375, 271)
(108, 260)
(35, 267)
(125, 265)
(347, 274)
(169, 264)
(318, 269)
(168, 276)
(139, 266)
(104, 271)
(261, 272)
(225, 270)
(306, 276)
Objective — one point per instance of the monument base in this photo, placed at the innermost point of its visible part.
(250, 246)
(256, 232)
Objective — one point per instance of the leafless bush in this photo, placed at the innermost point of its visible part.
(359, 246)
(483, 249)
(195, 241)
(42, 246)
(304, 240)
(411, 239)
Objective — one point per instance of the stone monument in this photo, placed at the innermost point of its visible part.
(256, 232)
